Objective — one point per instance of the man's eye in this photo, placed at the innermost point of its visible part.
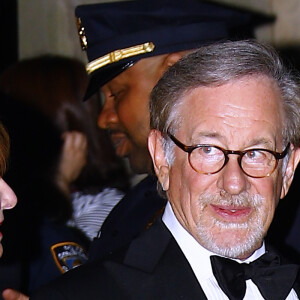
(116, 96)
(209, 153)
(207, 149)
(251, 154)
(257, 155)
(210, 150)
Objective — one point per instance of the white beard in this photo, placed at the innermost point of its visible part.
(251, 231)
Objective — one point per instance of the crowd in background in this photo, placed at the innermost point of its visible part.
(62, 167)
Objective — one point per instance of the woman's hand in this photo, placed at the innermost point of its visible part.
(72, 159)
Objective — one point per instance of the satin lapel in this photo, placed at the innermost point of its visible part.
(146, 250)
(157, 253)
(284, 259)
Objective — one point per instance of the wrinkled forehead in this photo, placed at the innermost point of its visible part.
(250, 104)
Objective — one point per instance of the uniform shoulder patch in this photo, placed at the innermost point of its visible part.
(68, 255)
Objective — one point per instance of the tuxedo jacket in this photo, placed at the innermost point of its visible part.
(152, 267)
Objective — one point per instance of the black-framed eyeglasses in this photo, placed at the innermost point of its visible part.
(210, 159)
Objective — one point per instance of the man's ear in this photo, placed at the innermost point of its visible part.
(161, 167)
(290, 171)
(169, 60)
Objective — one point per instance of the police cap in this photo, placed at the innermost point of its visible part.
(115, 35)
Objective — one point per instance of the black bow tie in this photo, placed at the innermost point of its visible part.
(273, 280)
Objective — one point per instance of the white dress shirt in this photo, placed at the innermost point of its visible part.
(199, 259)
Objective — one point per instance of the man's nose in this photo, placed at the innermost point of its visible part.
(232, 179)
(108, 115)
(8, 198)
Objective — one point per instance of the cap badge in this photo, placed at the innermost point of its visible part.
(118, 55)
(81, 34)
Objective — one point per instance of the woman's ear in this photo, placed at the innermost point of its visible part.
(161, 166)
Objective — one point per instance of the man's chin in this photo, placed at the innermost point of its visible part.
(235, 243)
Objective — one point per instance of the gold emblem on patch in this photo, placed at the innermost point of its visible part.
(81, 34)
(68, 255)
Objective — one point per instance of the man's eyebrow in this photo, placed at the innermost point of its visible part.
(256, 142)
(262, 142)
(206, 134)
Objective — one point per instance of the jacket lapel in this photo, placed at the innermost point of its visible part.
(169, 273)
(285, 260)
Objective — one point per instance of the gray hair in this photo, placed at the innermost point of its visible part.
(218, 64)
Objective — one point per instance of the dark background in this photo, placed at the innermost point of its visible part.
(8, 33)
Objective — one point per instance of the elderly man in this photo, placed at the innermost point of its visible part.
(224, 142)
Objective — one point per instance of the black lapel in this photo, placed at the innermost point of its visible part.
(286, 260)
(156, 252)
(153, 242)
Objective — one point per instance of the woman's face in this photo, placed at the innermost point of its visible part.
(8, 200)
